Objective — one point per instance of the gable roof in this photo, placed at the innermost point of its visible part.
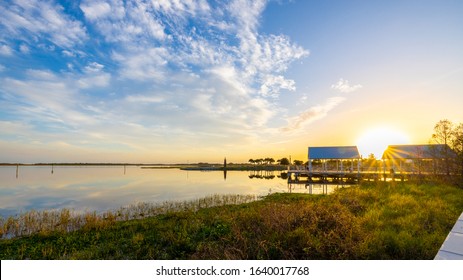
(334, 152)
(428, 151)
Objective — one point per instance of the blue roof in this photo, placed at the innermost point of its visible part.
(335, 152)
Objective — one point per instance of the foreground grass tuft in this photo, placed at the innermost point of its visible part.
(373, 221)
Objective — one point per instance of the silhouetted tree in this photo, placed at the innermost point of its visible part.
(283, 161)
(269, 160)
(442, 135)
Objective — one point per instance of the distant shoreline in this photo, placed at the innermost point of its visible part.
(238, 167)
(182, 166)
(95, 164)
(78, 164)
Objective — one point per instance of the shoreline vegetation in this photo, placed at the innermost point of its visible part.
(375, 220)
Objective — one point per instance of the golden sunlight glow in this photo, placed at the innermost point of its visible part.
(376, 140)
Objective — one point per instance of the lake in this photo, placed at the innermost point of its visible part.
(102, 188)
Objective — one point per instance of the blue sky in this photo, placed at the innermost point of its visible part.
(177, 81)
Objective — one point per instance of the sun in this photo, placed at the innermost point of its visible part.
(376, 140)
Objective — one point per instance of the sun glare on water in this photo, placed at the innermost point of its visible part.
(376, 140)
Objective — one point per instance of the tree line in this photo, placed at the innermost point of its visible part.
(270, 161)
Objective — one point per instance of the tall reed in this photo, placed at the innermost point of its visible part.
(66, 220)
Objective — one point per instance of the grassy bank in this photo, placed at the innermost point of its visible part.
(385, 221)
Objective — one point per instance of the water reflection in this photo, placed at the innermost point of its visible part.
(263, 174)
(311, 188)
(102, 188)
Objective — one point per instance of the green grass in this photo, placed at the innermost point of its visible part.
(373, 221)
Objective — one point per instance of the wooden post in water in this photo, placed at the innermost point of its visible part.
(225, 163)
(225, 169)
(17, 170)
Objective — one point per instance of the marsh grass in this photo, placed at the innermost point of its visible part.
(67, 220)
(372, 221)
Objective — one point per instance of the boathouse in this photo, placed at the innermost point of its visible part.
(427, 158)
(333, 159)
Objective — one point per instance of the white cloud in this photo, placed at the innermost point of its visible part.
(312, 114)
(45, 75)
(94, 76)
(143, 64)
(181, 6)
(345, 87)
(43, 98)
(208, 45)
(94, 10)
(68, 53)
(14, 127)
(144, 99)
(120, 21)
(6, 50)
(93, 67)
(24, 49)
(229, 75)
(28, 19)
(177, 69)
(247, 13)
(273, 84)
(92, 81)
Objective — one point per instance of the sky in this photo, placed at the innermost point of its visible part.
(177, 81)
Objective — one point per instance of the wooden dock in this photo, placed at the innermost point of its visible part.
(353, 177)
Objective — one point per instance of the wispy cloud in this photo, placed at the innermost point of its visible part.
(144, 99)
(273, 84)
(344, 86)
(142, 63)
(95, 10)
(94, 76)
(132, 74)
(23, 48)
(312, 114)
(28, 19)
(6, 50)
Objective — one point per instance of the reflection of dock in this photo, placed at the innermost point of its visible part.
(315, 188)
(262, 174)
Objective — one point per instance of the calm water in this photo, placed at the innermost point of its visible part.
(101, 188)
